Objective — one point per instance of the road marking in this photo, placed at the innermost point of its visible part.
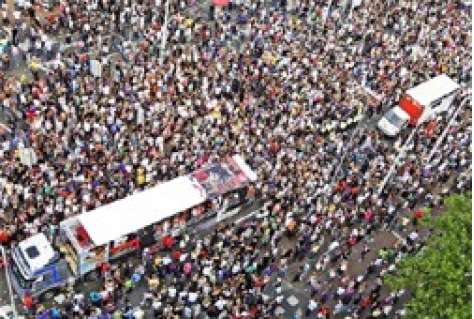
(291, 287)
(397, 235)
(240, 220)
(262, 208)
(4, 127)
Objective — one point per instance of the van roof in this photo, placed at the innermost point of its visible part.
(433, 89)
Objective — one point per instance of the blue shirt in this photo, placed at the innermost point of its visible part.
(55, 314)
(43, 315)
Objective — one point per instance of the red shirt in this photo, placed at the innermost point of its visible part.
(352, 240)
(366, 303)
(254, 312)
(168, 241)
(418, 214)
(176, 255)
(324, 310)
(28, 301)
(354, 191)
(274, 147)
(104, 268)
(258, 283)
(368, 216)
(31, 116)
(4, 237)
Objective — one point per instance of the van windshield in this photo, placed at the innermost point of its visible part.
(393, 119)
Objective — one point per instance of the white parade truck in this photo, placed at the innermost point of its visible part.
(420, 104)
(94, 238)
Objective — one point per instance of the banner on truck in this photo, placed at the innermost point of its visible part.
(221, 178)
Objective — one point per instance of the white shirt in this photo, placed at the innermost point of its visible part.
(172, 292)
(17, 15)
(139, 313)
(220, 304)
(192, 297)
(413, 236)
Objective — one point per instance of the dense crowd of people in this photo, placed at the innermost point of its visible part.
(279, 85)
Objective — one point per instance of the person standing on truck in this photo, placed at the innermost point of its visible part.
(105, 271)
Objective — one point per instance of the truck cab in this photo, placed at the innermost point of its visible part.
(393, 121)
(37, 268)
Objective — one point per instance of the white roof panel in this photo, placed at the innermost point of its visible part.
(433, 89)
(37, 251)
(135, 212)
